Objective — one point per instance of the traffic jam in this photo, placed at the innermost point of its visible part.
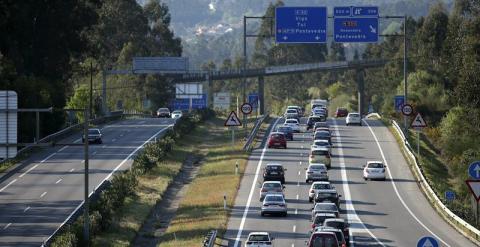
(328, 228)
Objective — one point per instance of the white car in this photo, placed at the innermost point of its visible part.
(271, 187)
(315, 172)
(321, 143)
(293, 123)
(374, 170)
(259, 239)
(318, 186)
(177, 114)
(353, 118)
(291, 113)
(298, 108)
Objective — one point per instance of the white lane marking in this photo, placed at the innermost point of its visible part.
(58, 181)
(300, 163)
(61, 149)
(396, 190)
(95, 152)
(43, 194)
(113, 140)
(298, 183)
(6, 186)
(298, 173)
(9, 224)
(78, 140)
(26, 209)
(294, 228)
(35, 166)
(83, 161)
(104, 146)
(297, 197)
(293, 245)
(302, 146)
(252, 190)
(71, 170)
(346, 190)
(296, 211)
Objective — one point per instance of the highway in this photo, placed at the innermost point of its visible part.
(381, 213)
(36, 201)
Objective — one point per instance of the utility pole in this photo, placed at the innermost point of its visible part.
(405, 75)
(91, 89)
(244, 82)
(86, 207)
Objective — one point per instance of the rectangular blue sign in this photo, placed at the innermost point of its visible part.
(398, 103)
(301, 24)
(351, 29)
(253, 100)
(342, 11)
(365, 11)
(184, 104)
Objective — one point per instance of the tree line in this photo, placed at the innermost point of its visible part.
(48, 49)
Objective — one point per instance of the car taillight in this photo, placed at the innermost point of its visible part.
(309, 172)
(313, 225)
(264, 190)
(328, 155)
(344, 245)
(266, 205)
(367, 171)
(312, 191)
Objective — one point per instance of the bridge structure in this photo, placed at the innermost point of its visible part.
(210, 76)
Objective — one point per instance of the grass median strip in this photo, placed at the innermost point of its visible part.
(202, 208)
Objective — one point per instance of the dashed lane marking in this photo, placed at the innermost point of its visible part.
(6, 186)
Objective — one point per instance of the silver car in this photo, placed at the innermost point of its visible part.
(274, 204)
(316, 172)
(325, 207)
(271, 187)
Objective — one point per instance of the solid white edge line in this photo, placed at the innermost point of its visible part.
(26, 209)
(252, 190)
(61, 149)
(346, 190)
(396, 190)
(6, 186)
(116, 168)
(35, 166)
(9, 224)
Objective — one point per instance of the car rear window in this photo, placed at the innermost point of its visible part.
(322, 240)
(284, 129)
(274, 168)
(258, 238)
(291, 121)
(277, 135)
(315, 119)
(375, 165)
(93, 132)
(335, 224)
(291, 111)
(322, 134)
(271, 198)
(317, 167)
(272, 185)
(329, 207)
(319, 152)
(354, 115)
(321, 186)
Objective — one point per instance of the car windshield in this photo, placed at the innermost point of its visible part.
(321, 143)
(285, 129)
(354, 115)
(277, 135)
(319, 152)
(273, 198)
(163, 110)
(324, 241)
(375, 165)
(328, 207)
(322, 134)
(291, 111)
(93, 132)
(258, 238)
(274, 168)
(317, 167)
(321, 186)
(334, 224)
(272, 186)
(177, 112)
(323, 195)
(321, 218)
(291, 122)
(314, 119)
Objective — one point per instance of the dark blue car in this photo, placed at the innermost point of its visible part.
(288, 131)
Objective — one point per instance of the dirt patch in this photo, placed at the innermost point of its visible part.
(165, 210)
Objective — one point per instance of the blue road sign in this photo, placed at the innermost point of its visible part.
(184, 104)
(427, 242)
(398, 103)
(342, 11)
(365, 11)
(351, 29)
(449, 195)
(301, 24)
(253, 100)
(474, 170)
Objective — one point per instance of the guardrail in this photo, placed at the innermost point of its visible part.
(210, 238)
(468, 230)
(252, 134)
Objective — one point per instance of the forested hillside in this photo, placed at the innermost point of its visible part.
(49, 48)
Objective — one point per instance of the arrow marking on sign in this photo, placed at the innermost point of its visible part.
(372, 29)
(285, 37)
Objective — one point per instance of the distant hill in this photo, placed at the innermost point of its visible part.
(212, 29)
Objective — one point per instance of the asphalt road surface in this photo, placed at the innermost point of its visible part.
(37, 200)
(381, 213)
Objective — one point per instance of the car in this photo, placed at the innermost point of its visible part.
(339, 224)
(259, 239)
(277, 139)
(320, 218)
(325, 207)
(271, 187)
(312, 120)
(341, 112)
(315, 172)
(320, 124)
(287, 130)
(353, 118)
(299, 109)
(163, 112)
(374, 170)
(322, 129)
(338, 233)
(274, 204)
(319, 111)
(274, 172)
(322, 239)
(328, 196)
(291, 113)
(318, 186)
(293, 123)
(321, 143)
(177, 114)
(94, 136)
(320, 155)
(323, 135)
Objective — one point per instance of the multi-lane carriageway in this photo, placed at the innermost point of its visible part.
(36, 200)
(381, 213)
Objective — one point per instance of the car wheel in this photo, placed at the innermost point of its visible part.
(306, 181)
(347, 124)
(310, 199)
(285, 214)
(364, 178)
(262, 214)
(285, 146)
(268, 147)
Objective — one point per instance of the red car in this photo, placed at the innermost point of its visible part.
(341, 112)
(323, 239)
(277, 139)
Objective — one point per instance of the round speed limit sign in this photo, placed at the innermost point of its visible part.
(407, 110)
(246, 108)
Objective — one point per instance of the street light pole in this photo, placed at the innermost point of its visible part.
(405, 85)
(244, 82)
(91, 90)
(86, 218)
